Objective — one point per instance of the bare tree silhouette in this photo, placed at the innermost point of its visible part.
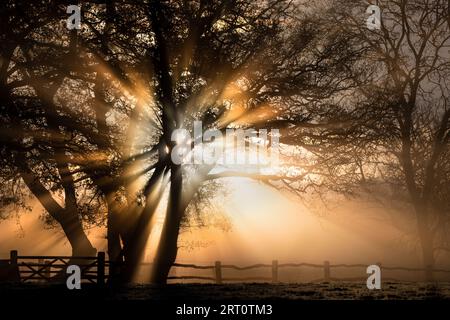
(393, 129)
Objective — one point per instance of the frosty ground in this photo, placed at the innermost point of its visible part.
(241, 291)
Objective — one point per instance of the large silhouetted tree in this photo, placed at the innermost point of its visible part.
(95, 109)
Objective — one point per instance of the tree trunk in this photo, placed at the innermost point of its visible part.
(113, 237)
(168, 244)
(426, 242)
(426, 238)
(73, 229)
(67, 218)
(134, 248)
(136, 236)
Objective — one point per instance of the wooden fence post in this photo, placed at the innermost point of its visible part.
(326, 271)
(218, 272)
(48, 267)
(40, 265)
(13, 257)
(274, 271)
(14, 265)
(100, 268)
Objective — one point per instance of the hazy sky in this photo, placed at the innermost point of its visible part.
(266, 225)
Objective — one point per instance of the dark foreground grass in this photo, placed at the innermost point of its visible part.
(236, 292)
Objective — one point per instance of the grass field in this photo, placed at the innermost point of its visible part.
(250, 291)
